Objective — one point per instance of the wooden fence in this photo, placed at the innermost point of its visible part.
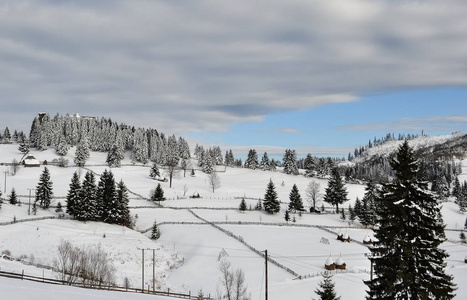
(114, 288)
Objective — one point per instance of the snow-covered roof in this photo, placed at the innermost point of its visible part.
(367, 238)
(31, 160)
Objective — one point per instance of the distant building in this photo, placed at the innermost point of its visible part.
(31, 161)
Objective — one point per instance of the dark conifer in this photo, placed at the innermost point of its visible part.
(408, 261)
(336, 192)
(44, 189)
(326, 289)
(158, 194)
(296, 203)
(271, 203)
(73, 196)
(242, 206)
(13, 198)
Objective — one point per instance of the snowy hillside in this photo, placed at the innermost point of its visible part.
(188, 251)
(419, 143)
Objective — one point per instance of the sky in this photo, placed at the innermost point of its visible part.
(320, 77)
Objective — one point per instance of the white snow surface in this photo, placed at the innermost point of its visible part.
(187, 253)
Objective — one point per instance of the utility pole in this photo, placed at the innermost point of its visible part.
(29, 207)
(266, 275)
(153, 271)
(370, 257)
(5, 172)
(142, 267)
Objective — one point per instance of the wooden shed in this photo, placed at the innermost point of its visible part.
(31, 161)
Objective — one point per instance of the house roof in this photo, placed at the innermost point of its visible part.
(31, 160)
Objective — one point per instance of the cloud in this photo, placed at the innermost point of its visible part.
(203, 65)
(436, 123)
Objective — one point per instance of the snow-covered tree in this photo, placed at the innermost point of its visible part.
(44, 189)
(208, 165)
(73, 196)
(140, 147)
(242, 206)
(296, 203)
(115, 155)
(123, 200)
(309, 165)
(62, 146)
(335, 193)
(82, 153)
(367, 212)
(158, 194)
(290, 162)
(265, 164)
(13, 198)
(229, 160)
(154, 171)
(87, 209)
(155, 232)
(271, 202)
(108, 206)
(326, 288)
(408, 263)
(252, 160)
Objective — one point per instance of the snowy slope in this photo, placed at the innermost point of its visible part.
(187, 254)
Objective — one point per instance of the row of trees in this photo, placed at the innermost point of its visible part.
(105, 201)
(103, 135)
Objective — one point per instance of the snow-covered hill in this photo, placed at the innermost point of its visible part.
(188, 250)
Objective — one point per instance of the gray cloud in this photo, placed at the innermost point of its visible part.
(209, 64)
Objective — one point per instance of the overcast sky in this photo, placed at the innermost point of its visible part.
(317, 76)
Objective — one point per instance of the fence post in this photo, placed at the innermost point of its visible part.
(22, 275)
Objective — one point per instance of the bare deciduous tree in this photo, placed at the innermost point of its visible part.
(232, 282)
(214, 181)
(312, 193)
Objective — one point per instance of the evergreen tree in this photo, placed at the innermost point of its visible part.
(408, 261)
(44, 189)
(24, 146)
(154, 171)
(358, 208)
(296, 203)
(59, 208)
(252, 160)
(81, 153)
(73, 196)
(309, 165)
(368, 209)
(336, 192)
(290, 162)
(87, 209)
(265, 163)
(271, 203)
(123, 201)
(158, 194)
(115, 156)
(13, 198)
(456, 190)
(62, 146)
(108, 206)
(259, 206)
(287, 216)
(155, 233)
(242, 206)
(326, 289)
(208, 165)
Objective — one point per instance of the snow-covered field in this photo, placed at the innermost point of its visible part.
(187, 254)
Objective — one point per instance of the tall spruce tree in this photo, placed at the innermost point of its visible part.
(87, 209)
(336, 193)
(158, 194)
(123, 200)
(290, 162)
(295, 203)
(107, 198)
(73, 195)
(44, 189)
(271, 203)
(326, 289)
(252, 160)
(408, 261)
(13, 198)
(82, 152)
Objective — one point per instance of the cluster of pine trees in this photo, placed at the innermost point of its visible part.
(459, 191)
(105, 201)
(103, 135)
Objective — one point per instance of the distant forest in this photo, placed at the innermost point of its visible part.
(148, 145)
